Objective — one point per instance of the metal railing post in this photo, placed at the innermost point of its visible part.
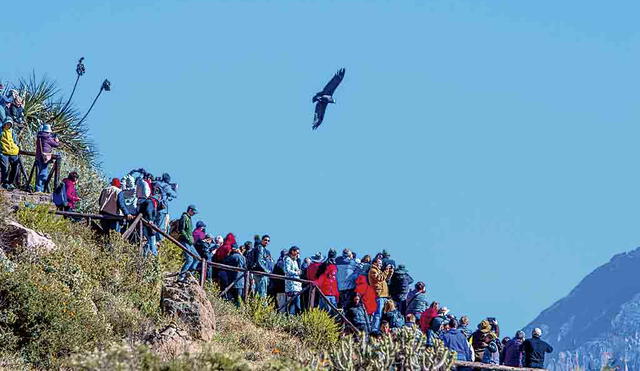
(203, 271)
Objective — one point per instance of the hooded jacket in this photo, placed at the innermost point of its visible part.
(455, 340)
(367, 293)
(378, 280)
(400, 284)
(45, 143)
(223, 251)
(417, 302)
(72, 195)
(328, 283)
(347, 273)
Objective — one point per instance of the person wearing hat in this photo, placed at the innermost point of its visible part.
(9, 155)
(399, 287)
(46, 141)
(513, 354)
(535, 349)
(314, 266)
(199, 232)
(186, 239)
(108, 205)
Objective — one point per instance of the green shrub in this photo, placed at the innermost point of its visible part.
(316, 328)
(40, 219)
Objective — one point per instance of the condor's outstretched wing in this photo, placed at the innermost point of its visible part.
(331, 85)
(321, 107)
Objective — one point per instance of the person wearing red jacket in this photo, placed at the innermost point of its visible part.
(328, 285)
(428, 316)
(367, 293)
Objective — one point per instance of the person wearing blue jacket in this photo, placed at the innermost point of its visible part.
(235, 259)
(348, 271)
(168, 191)
(455, 340)
(262, 262)
(357, 315)
(417, 300)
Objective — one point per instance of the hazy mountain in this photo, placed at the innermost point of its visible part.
(599, 321)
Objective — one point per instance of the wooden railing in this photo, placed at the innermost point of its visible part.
(23, 182)
(138, 223)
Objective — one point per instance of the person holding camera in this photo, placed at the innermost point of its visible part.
(378, 277)
(46, 141)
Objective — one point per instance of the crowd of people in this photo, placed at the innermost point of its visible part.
(374, 293)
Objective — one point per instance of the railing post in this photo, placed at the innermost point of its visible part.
(56, 172)
(140, 233)
(203, 271)
(312, 296)
(247, 282)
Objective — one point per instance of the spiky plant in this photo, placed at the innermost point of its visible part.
(44, 103)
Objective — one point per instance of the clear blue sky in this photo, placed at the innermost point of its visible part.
(491, 146)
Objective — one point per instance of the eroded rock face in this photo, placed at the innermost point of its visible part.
(188, 302)
(16, 235)
(171, 341)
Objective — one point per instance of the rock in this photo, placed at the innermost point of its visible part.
(171, 342)
(188, 302)
(16, 235)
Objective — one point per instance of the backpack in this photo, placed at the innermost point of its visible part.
(174, 228)
(59, 196)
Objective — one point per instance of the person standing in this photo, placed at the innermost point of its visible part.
(199, 232)
(46, 141)
(108, 206)
(535, 349)
(293, 288)
(262, 264)
(236, 259)
(347, 273)
(513, 355)
(399, 287)
(328, 285)
(378, 280)
(186, 239)
(456, 340)
(417, 302)
(8, 155)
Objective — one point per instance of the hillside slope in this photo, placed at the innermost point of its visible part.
(599, 321)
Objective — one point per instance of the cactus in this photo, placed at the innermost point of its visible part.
(404, 350)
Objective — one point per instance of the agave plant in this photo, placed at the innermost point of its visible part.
(43, 103)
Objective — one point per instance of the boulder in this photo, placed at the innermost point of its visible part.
(188, 302)
(16, 235)
(171, 341)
